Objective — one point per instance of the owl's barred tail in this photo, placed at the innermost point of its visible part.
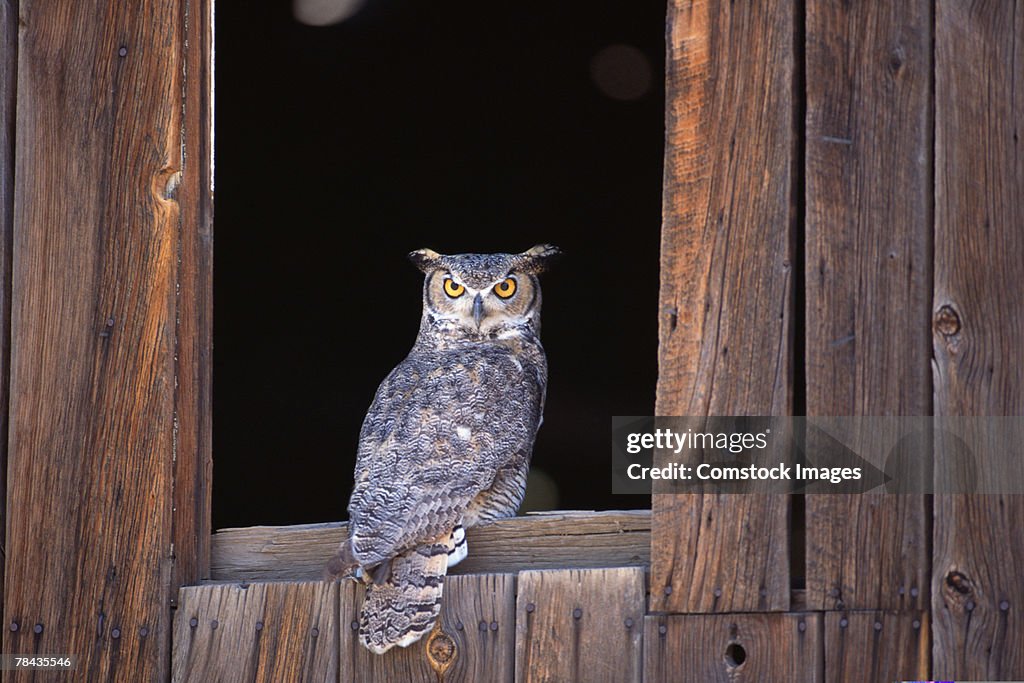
(405, 606)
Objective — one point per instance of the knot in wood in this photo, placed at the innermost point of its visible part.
(947, 321)
(958, 582)
(441, 651)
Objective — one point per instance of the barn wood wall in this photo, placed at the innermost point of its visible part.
(109, 328)
(852, 172)
(849, 173)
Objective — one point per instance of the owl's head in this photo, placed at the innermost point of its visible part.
(480, 295)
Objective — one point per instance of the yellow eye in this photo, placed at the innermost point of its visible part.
(505, 288)
(453, 288)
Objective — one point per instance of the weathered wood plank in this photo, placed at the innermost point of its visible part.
(867, 274)
(580, 625)
(978, 308)
(259, 632)
(8, 88)
(876, 646)
(536, 541)
(725, 323)
(704, 648)
(474, 641)
(193, 474)
(93, 309)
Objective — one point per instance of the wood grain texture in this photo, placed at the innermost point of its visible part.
(978, 308)
(733, 647)
(8, 89)
(867, 274)
(725, 311)
(193, 473)
(257, 632)
(876, 646)
(580, 625)
(535, 541)
(477, 618)
(94, 316)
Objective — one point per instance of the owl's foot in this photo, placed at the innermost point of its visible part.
(459, 546)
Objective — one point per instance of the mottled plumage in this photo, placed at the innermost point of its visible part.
(446, 443)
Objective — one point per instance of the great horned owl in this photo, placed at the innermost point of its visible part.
(446, 443)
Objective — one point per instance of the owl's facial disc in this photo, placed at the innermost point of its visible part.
(477, 301)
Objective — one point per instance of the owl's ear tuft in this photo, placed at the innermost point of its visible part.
(424, 259)
(539, 258)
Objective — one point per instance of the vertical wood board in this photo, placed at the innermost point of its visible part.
(876, 646)
(193, 474)
(94, 326)
(474, 641)
(580, 625)
(732, 648)
(867, 275)
(978, 324)
(8, 88)
(258, 632)
(725, 309)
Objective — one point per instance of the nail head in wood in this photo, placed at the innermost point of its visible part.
(14, 626)
(214, 624)
(844, 622)
(193, 622)
(144, 631)
(1004, 605)
(115, 633)
(38, 628)
(530, 607)
(878, 626)
(577, 613)
(122, 51)
(259, 625)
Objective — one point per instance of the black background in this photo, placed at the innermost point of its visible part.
(462, 126)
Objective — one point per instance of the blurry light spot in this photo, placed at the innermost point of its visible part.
(324, 12)
(541, 492)
(621, 72)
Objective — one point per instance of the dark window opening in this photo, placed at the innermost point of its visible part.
(460, 126)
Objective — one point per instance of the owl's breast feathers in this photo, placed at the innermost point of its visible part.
(441, 427)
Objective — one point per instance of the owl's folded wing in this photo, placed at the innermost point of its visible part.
(431, 442)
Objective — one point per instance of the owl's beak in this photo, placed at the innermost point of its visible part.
(478, 310)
